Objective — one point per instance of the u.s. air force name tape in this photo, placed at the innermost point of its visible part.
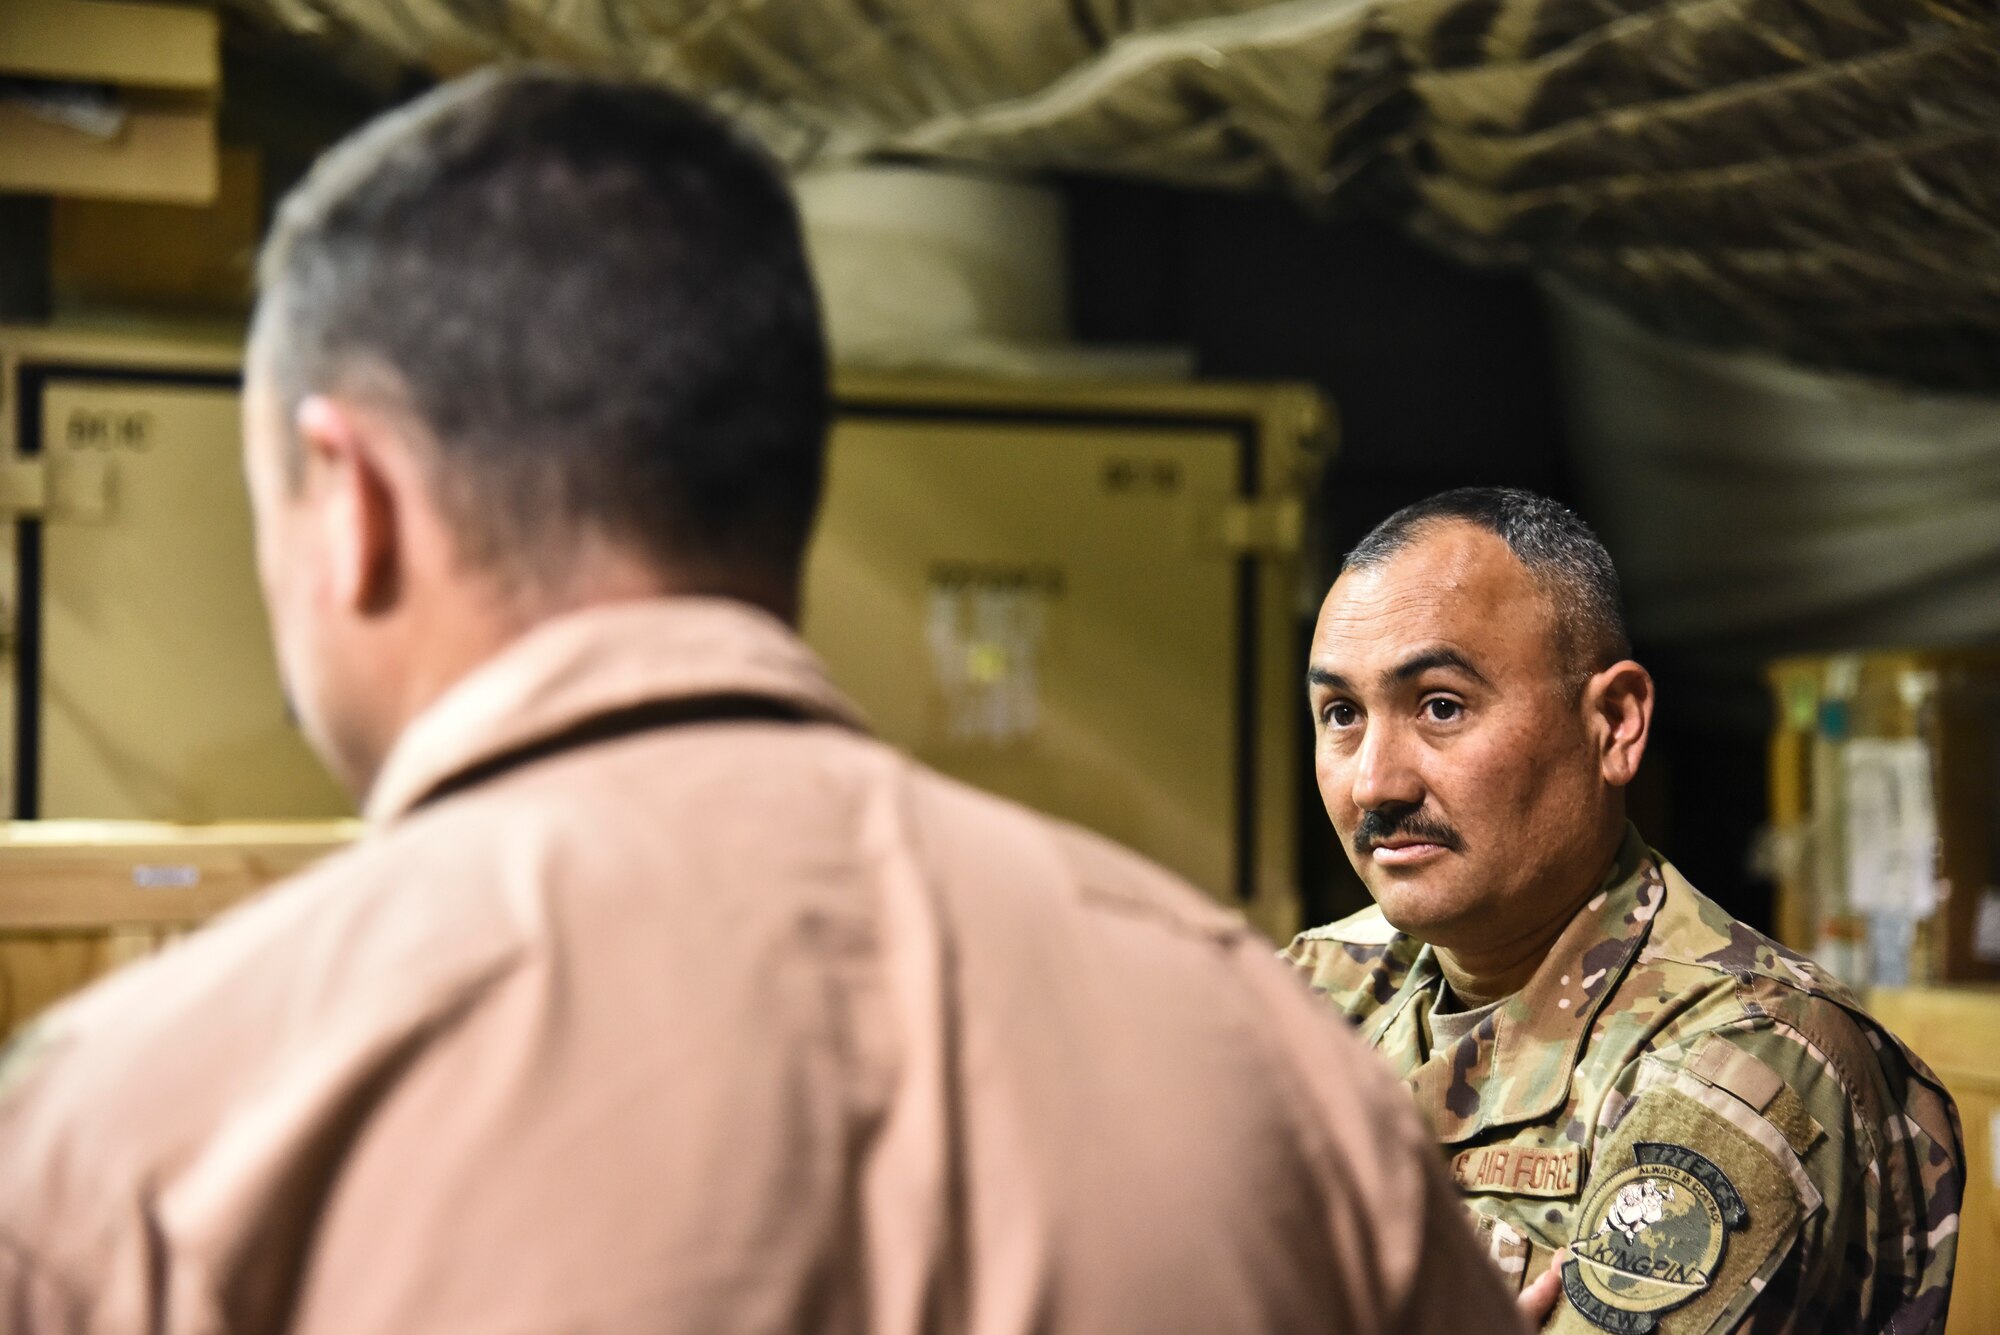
(1520, 1170)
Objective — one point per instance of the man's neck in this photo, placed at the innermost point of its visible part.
(1482, 979)
(449, 632)
(1492, 971)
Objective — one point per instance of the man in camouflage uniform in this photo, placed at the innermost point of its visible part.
(1660, 1119)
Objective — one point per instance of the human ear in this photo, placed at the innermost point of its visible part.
(1618, 708)
(353, 502)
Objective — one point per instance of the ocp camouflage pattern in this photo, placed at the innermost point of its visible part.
(1659, 1019)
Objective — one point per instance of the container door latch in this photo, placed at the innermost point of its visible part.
(63, 490)
(1234, 526)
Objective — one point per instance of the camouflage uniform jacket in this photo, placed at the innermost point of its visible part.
(1720, 1134)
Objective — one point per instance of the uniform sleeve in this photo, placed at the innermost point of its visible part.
(1764, 1179)
(1924, 1163)
(1881, 1144)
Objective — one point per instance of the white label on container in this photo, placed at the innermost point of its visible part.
(1891, 826)
(986, 626)
(1986, 927)
(168, 877)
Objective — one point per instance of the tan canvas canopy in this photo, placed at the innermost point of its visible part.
(1810, 177)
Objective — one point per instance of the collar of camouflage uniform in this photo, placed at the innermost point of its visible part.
(1538, 1033)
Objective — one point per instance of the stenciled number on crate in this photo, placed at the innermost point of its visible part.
(109, 429)
(1138, 475)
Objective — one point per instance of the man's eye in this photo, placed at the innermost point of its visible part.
(1441, 709)
(1340, 714)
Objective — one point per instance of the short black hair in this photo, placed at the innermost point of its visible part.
(1557, 548)
(595, 298)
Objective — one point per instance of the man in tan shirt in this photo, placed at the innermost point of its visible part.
(658, 996)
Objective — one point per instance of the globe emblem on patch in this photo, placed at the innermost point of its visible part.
(1651, 1238)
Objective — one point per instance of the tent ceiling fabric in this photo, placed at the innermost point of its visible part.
(1816, 178)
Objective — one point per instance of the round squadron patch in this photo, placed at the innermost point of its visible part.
(1651, 1238)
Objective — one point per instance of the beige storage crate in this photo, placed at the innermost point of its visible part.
(140, 680)
(160, 67)
(1084, 595)
(1087, 596)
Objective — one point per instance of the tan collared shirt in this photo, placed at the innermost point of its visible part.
(660, 998)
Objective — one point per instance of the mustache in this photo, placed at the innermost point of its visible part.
(1408, 822)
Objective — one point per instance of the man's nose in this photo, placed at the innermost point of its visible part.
(1383, 773)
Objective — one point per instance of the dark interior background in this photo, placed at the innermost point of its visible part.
(1441, 376)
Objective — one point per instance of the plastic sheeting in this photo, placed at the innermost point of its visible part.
(1756, 509)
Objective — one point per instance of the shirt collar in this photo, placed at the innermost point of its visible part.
(1516, 1066)
(603, 661)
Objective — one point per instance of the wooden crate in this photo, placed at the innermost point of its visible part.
(80, 898)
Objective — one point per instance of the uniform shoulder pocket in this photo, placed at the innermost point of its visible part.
(1692, 1204)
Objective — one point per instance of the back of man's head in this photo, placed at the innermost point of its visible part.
(593, 298)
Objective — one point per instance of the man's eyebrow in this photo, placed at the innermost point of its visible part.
(1433, 658)
(1319, 676)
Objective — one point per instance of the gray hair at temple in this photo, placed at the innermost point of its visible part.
(1557, 548)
